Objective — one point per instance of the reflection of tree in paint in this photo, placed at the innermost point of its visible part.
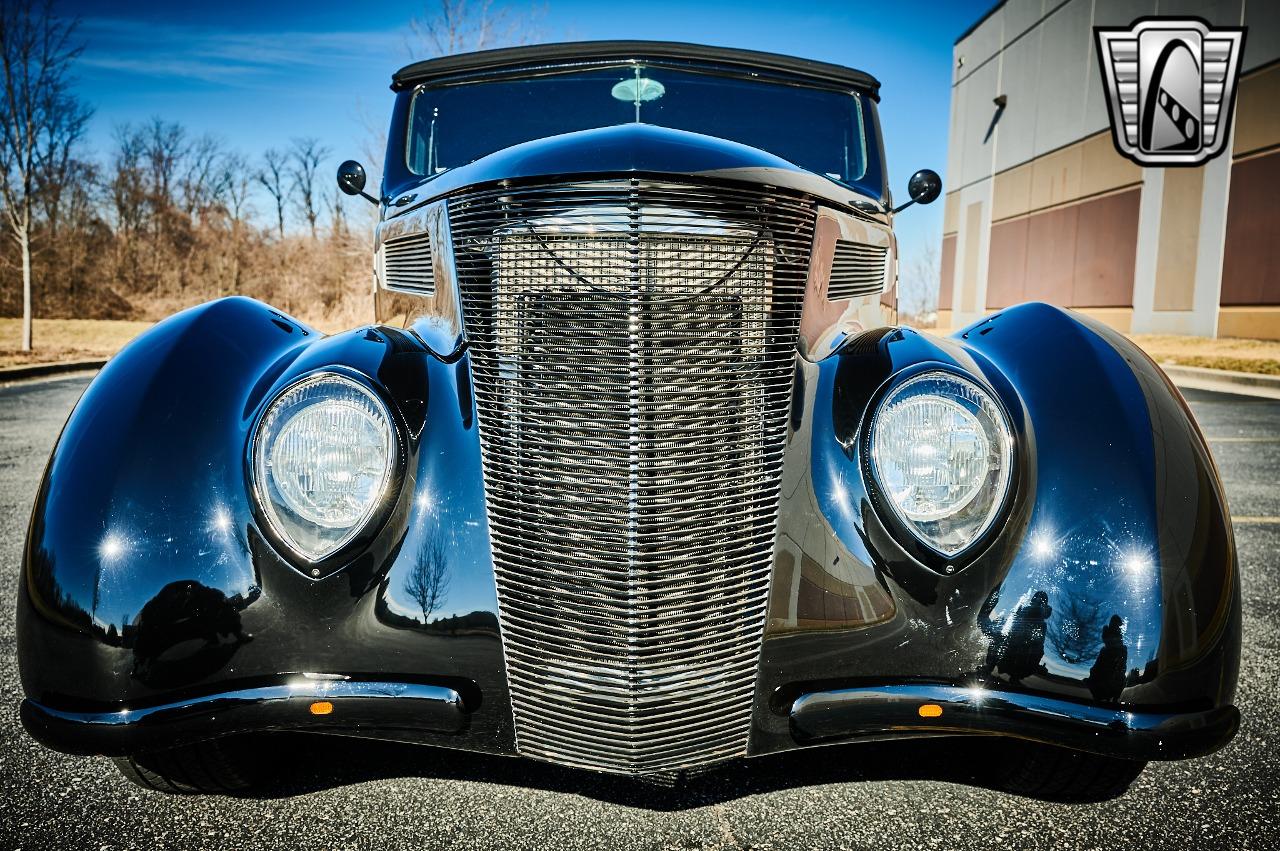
(1107, 676)
(1074, 632)
(1017, 648)
(428, 583)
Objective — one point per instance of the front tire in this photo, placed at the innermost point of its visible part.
(1057, 774)
(214, 767)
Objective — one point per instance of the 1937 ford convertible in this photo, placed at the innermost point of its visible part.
(635, 473)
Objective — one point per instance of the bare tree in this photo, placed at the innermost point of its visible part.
(164, 148)
(61, 169)
(428, 583)
(273, 177)
(1076, 631)
(918, 289)
(237, 179)
(446, 27)
(204, 179)
(333, 199)
(306, 155)
(39, 117)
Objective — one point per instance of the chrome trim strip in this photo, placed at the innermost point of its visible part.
(306, 687)
(893, 711)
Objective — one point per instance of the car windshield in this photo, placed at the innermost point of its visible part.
(820, 130)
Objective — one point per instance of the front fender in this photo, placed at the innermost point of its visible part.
(1110, 579)
(149, 577)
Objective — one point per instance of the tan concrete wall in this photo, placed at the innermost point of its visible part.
(1256, 322)
(947, 264)
(973, 235)
(951, 213)
(1087, 168)
(1179, 239)
(1258, 112)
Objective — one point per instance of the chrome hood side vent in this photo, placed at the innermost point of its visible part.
(857, 269)
(407, 264)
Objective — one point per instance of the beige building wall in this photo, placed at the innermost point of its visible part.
(1040, 206)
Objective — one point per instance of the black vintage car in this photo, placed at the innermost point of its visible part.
(636, 472)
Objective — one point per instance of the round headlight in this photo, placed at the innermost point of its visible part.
(941, 452)
(322, 457)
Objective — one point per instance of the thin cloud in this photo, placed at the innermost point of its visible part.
(220, 56)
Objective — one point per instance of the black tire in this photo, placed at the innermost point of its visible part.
(215, 767)
(1057, 774)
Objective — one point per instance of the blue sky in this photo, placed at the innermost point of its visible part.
(257, 74)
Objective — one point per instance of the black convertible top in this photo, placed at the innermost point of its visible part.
(512, 58)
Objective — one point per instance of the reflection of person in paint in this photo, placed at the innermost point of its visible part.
(1017, 652)
(1106, 677)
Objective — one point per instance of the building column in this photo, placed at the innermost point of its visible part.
(1144, 273)
(1213, 241)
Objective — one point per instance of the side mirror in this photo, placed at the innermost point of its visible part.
(351, 180)
(924, 187)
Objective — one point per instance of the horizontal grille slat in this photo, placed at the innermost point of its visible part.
(407, 264)
(632, 347)
(857, 270)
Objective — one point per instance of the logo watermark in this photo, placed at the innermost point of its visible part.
(1171, 87)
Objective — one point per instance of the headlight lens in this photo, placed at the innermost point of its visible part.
(323, 458)
(941, 451)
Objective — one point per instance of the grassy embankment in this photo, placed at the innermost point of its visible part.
(1260, 356)
(84, 339)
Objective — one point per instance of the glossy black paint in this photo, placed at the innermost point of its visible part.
(355, 707)
(351, 177)
(351, 180)
(148, 577)
(1112, 578)
(924, 187)
(466, 66)
(887, 711)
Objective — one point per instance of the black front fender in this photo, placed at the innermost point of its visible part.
(149, 578)
(1110, 579)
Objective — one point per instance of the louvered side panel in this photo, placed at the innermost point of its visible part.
(857, 270)
(407, 264)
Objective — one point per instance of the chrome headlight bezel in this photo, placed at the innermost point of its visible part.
(903, 527)
(318, 563)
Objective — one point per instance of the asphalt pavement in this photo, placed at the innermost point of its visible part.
(922, 795)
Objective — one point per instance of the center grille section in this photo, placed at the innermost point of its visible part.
(632, 349)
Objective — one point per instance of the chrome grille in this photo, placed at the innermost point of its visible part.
(407, 264)
(857, 269)
(632, 346)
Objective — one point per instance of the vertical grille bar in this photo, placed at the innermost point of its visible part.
(632, 345)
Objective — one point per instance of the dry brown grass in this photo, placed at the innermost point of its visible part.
(1258, 356)
(66, 339)
(58, 340)
(83, 339)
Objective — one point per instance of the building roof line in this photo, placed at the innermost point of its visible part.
(996, 8)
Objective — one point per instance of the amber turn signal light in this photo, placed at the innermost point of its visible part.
(930, 710)
(321, 707)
